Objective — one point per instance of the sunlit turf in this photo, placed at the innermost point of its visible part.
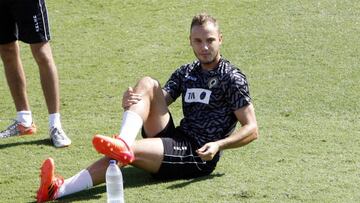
(301, 59)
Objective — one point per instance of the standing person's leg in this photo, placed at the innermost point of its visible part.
(33, 28)
(48, 75)
(50, 84)
(10, 55)
(15, 76)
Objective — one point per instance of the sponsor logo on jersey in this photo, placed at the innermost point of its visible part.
(197, 95)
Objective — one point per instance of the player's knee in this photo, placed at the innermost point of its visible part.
(41, 52)
(8, 51)
(149, 83)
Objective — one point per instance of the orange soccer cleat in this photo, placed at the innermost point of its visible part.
(115, 148)
(49, 183)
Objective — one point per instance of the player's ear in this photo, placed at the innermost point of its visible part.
(220, 38)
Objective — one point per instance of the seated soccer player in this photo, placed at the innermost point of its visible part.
(215, 97)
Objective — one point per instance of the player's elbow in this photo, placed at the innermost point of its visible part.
(255, 133)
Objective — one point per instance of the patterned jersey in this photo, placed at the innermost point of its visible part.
(209, 99)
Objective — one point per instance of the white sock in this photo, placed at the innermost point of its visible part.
(24, 117)
(130, 126)
(77, 183)
(54, 120)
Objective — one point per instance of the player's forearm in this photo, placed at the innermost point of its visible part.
(168, 99)
(243, 136)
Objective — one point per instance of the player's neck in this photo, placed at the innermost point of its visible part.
(211, 66)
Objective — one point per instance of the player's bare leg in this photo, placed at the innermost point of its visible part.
(15, 76)
(152, 109)
(148, 153)
(48, 75)
(50, 85)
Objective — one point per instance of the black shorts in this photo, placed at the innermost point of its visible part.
(180, 157)
(24, 20)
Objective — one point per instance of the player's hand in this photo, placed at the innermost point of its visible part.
(130, 98)
(208, 151)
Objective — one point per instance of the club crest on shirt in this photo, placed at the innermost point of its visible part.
(197, 95)
(213, 82)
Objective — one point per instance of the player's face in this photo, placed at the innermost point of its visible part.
(205, 41)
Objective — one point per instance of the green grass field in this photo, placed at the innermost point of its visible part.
(302, 61)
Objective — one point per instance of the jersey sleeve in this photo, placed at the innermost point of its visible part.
(173, 85)
(238, 94)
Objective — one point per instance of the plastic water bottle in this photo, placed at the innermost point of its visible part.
(114, 183)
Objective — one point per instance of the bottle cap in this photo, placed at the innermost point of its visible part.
(112, 161)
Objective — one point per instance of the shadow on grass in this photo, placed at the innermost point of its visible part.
(133, 177)
(194, 180)
(45, 142)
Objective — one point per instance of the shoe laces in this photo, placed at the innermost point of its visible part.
(57, 133)
(12, 130)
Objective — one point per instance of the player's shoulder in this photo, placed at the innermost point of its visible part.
(228, 69)
(188, 67)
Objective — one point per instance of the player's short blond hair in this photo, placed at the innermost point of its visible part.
(202, 19)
